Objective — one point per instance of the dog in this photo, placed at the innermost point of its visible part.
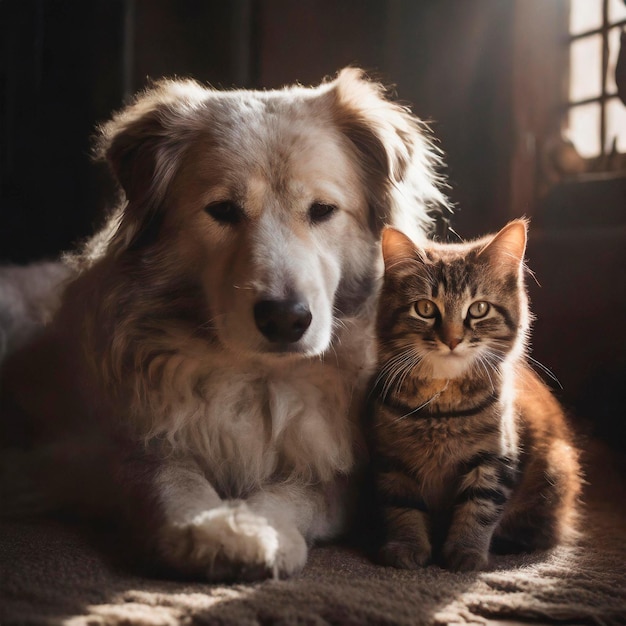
(201, 378)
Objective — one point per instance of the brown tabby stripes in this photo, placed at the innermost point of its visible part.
(470, 451)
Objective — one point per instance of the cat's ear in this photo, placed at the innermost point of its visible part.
(508, 246)
(397, 247)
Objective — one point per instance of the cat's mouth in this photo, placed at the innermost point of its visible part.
(453, 354)
(450, 364)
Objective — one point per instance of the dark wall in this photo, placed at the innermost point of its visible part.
(453, 60)
(49, 101)
(67, 64)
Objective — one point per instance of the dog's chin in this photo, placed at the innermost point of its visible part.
(269, 351)
(285, 351)
(298, 350)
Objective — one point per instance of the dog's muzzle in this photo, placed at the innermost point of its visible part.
(282, 321)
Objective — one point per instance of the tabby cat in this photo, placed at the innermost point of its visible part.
(470, 451)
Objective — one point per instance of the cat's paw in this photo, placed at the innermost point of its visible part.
(231, 543)
(404, 554)
(463, 559)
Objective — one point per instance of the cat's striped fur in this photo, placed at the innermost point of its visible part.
(470, 450)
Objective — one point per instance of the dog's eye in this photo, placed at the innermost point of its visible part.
(320, 212)
(225, 212)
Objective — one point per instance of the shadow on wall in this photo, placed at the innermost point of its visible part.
(579, 333)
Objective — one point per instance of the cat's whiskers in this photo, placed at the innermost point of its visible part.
(410, 368)
(482, 361)
(498, 350)
(546, 370)
(388, 372)
(494, 358)
(409, 362)
(424, 404)
(395, 371)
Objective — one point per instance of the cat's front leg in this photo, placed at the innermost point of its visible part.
(402, 515)
(407, 544)
(478, 508)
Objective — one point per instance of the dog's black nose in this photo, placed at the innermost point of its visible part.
(282, 321)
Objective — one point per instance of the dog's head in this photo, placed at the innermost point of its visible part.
(274, 201)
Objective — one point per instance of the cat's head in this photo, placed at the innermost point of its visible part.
(451, 308)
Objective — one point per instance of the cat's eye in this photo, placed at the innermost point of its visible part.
(425, 308)
(479, 309)
(225, 212)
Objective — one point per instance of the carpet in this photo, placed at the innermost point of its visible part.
(60, 572)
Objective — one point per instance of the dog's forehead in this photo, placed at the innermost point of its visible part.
(277, 119)
(252, 143)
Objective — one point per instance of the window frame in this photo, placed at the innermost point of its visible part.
(605, 96)
(539, 93)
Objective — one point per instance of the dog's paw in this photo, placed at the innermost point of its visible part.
(231, 543)
(404, 554)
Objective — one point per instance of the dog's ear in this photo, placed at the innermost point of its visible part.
(399, 160)
(141, 144)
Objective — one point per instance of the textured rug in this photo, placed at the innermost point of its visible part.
(54, 572)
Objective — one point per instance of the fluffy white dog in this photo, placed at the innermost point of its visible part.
(202, 377)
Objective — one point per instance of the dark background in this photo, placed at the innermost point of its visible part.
(487, 74)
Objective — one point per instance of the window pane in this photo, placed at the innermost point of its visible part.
(585, 15)
(585, 68)
(614, 37)
(617, 10)
(584, 129)
(616, 124)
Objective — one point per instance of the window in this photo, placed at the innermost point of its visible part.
(595, 116)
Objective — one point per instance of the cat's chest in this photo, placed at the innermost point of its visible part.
(440, 438)
(443, 443)
(434, 451)
(444, 447)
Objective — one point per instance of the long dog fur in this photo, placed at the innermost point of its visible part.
(155, 394)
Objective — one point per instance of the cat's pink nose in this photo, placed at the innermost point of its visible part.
(451, 335)
(453, 342)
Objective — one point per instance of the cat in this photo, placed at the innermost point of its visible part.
(470, 451)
